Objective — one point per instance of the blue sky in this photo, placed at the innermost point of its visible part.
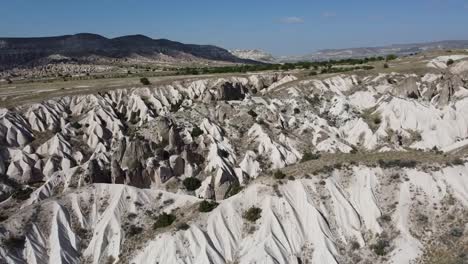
(281, 27)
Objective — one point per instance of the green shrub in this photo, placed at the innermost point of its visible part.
(191, 184)
(355, 245)
(377, 120)
(234, 189)
(134, 230)
(22, 194)
(457, 162)
(450, 62)
(253, 214)
(386, 66)
(183, 226)
(145, 81)
(207, 206)
(380, 247)
(279, 175)
(309, 156)
(196, 131)
(76, 125)
(398, 163)
(252, 113)
(385, 218)
(164, 220)
(391, 57)
(456, 232)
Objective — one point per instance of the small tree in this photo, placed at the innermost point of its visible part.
(192, 183)
(145, 81)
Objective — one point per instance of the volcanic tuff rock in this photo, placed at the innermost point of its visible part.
(87, 178)
(257, 55)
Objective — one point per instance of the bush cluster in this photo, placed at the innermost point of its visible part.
(191, 183)
(309, 156)
(164, 220)
(207, 206)
(279, 175)
(253, 214)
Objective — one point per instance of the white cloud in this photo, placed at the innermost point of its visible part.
(292, 20)
(328, 14)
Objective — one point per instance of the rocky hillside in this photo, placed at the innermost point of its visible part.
(259, 168)
(17, 52)
(255, 54)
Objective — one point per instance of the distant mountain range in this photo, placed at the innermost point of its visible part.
(397, 49)
(327, 54)
(93, 48)
(86, 47)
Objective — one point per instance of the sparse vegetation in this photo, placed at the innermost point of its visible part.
(397, 163)
(191, 183)
(385, 218)
(305, 65)
(22, 194)
(372, 118)
(450, 62)
(234, 189)
(183, 226)
(76, 125)
(252, 113)
(279, 175)
(391, 57)
(207, 206)
(355, 245)
(110, 260)
(310, 156)
(252, 214)
(380, 248)
(457, 162)
(196, 132)
(164, 220)
(456, 232)
(145, 81)
(134, 230)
